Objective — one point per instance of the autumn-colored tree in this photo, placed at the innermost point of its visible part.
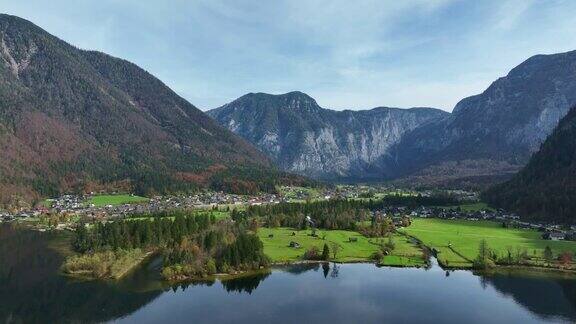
(565, 258)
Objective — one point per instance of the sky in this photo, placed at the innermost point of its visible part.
(345, 54)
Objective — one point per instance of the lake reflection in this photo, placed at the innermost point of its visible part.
(32, 291)
(363, 293)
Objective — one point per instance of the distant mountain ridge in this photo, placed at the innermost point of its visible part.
(74, 120)
(487, 138)
(545, 189)
(302, 137)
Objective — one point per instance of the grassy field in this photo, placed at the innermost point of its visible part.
(292, 193)
(464, 238)
(105, 200)
(278, 249)
(405, 254)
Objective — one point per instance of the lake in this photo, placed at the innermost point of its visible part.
(31, 290)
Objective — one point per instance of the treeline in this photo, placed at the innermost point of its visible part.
(488, 257)
(145, 233)
(334, 214)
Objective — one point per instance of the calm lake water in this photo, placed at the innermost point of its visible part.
(31, 290)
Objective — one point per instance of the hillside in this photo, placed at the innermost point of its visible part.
(75, 120)
(546, 188)
(302, 137)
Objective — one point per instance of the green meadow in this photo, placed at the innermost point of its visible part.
(105, 200)
(278, 249)
(457, 241)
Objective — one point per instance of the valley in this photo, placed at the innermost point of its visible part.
(381, 225)
(122, 201)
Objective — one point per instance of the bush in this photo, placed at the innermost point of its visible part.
(211, 266)
(377, 256)
(312, 254)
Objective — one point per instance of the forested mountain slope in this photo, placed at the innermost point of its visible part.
(73, 120)
(546, 188)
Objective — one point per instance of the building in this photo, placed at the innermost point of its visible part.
(554, 236)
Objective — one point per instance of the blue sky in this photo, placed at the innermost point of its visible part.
(345, 54)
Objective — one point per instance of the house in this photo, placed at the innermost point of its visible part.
(553, 236)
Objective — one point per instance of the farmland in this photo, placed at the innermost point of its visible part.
(105, 200)
(277, 240)
(457, 241)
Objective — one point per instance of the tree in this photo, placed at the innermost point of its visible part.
(326, 252)
(548, 255)
(483, 250)
(81, 241)
(335, 248)
(390, 245)
(565, 258)
(211, 266)
(254, 225)
(311, 254)
(483, 259)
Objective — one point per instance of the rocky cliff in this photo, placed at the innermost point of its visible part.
(302, 137)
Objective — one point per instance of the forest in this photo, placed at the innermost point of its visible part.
(337, 213)
(192, 245)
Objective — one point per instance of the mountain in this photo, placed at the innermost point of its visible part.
(545, 189)
(304, 138)
(493, 133)
(487, 138)
(75, 120)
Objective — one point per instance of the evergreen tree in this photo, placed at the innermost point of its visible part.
(326, 252)
(548, 256)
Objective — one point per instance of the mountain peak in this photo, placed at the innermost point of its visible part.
(292, 95)
(294, 100)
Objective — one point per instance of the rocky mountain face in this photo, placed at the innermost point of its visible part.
(545, 189)
(495, 132)
(487, 138)
(304, 138)
(80, 120)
